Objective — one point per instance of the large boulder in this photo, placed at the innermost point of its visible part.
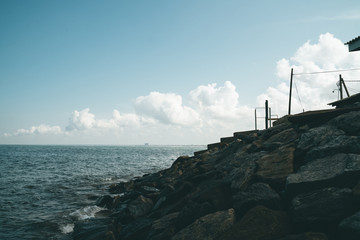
(306, 236)
(140, 206)
(341, 170)
(259, 223)
(208, 227)
(274, 167)
(164, 227)
(319, 209)
(137, 229)
(256, 194)
(350, 227)
(241, 170)
(93, 229)
(348, 122)
(326, 140)
(284, 137)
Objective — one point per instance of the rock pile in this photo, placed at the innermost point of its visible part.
(291, 181)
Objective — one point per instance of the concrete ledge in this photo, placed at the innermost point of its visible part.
(245, 133)
(227, 139)
(214, 145)
(199, 152)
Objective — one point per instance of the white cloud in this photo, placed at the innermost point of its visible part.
(213, 111)
(167, 108)
(41, 129)
(81, 120)
(312, 91)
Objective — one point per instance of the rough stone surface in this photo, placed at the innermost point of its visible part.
(348, 122)
(306, 236)
(256, 194)
(350, 226)
(337, 170)
(208, 227)
(259, 223)
(273, 168)
(163, 228)
(321, 207)
(140, 206)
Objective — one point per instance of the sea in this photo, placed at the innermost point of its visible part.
(45, 189)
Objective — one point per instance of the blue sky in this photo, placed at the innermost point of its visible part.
(163, 72)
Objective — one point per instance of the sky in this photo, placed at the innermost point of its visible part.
(166, 72)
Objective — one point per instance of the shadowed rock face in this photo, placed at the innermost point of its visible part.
(292, 181)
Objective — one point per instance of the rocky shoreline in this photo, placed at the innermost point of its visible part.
(297, 180)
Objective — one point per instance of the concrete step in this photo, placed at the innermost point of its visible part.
(245, 133)
(200, 152)
(227, 139)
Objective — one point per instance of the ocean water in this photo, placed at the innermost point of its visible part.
(45, 189)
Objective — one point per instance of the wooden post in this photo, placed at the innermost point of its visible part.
(291, 81)
(266, 114)
(341, 90)
(255, 120)
(346, 90)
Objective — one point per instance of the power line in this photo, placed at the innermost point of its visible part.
(330, 71)
(297, 92)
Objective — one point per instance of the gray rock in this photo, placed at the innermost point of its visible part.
(348, 122)
(350, 226)
(306, 236)
(163, 228)
(334, 145)
(208, 227)
(274, 167)
(341, 170)
(317, 136)
(259, 223)
(242, 170)
(318, 208)
(284, 137)
(140, 206)
(256, 194)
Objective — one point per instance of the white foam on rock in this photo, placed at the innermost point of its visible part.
(86, 212)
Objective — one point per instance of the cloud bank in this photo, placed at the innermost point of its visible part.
(213, 111)
(316, 71)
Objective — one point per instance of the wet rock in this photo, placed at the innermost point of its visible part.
(217, 193)
(93, 229)
(306, 236)
(317, 209)
(341, 170)
(192, 211)
(163, 228)
(208, 227)
(121, 187)
(256, 194)
(140, 206)
(104, 201)
(138, 229)
(350, 227)
(171, 195)
(274, 167)
(259, 223)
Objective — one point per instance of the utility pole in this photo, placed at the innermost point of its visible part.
(266, 114)
(343, 82)
(291, 81)
(341, 90)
